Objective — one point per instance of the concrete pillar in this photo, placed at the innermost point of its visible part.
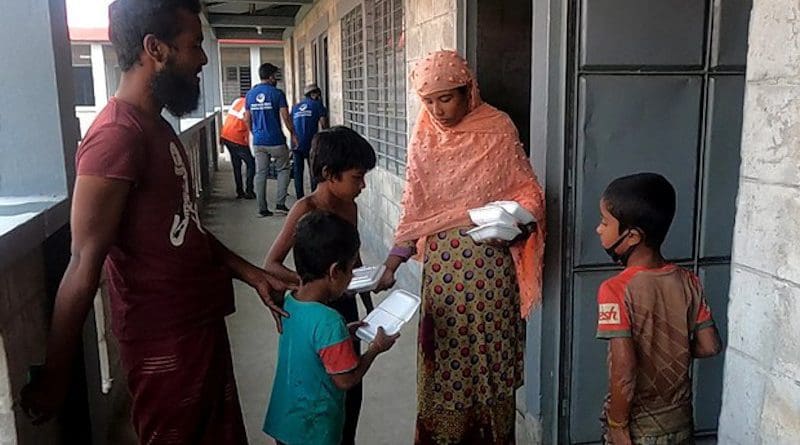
(99, 76)
(255, 62)
(761, 395)
(212, 73)
(35, 151)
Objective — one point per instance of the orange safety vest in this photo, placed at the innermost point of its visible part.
(235, 129)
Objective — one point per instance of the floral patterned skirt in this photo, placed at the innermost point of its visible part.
(471, 339)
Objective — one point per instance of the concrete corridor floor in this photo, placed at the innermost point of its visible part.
(388, 410)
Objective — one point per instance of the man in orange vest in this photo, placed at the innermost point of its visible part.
(236, 137)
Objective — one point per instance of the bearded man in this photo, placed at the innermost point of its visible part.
(169, 279)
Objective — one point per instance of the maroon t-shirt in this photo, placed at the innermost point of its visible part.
(162, 276)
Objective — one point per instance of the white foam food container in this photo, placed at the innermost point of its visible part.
(393, 312)
(494, 231)
(365, 278)
(521, 214)
(491, 214)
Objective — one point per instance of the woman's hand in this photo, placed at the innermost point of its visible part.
(386, 281)
(497, 243)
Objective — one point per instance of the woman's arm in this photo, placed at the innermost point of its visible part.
(400, 253)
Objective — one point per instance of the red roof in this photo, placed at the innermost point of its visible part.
(88, 34)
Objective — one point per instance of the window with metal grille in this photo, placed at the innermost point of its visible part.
(386, 82)
(231, 74)
(353, 70)
(301, 71)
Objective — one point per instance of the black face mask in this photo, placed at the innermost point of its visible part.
(623, 257)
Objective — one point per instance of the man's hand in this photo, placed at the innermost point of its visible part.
(41, 398)
(620, 436)
(267, 286)
(382, 342)
(295, 141)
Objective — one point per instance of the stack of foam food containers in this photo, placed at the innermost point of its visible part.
(365, 279)
(498, 220)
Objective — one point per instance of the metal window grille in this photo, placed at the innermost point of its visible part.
(386, 82)
(301, 71)
(231, 74)
(353, 70)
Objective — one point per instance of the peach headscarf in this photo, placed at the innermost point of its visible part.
(479, 160)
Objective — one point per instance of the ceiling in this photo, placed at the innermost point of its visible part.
(252, 19)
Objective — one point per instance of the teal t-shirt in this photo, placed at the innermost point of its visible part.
(306, 407)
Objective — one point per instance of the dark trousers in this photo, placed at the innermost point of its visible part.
(241, 154)
(300, 160)
(348, 307)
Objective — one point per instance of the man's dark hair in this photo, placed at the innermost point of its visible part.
(267, 70)
(321, 240)
(131, 20)
(644, 201)
(340, 149)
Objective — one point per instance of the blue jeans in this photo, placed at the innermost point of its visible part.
(240, 154)
(300, 160)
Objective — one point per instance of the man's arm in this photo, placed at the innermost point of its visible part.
(623, 384)
(97, 207)
(323, 122)
(247, 120)
(287, 120)
(257, 278)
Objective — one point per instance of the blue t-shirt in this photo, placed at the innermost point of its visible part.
(264, 103)
(306, 407)
(306, 115)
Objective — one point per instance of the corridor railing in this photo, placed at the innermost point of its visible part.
(201, 142)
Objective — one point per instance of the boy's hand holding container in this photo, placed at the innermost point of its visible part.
(383, 342)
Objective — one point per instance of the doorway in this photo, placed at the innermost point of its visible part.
(652, 85)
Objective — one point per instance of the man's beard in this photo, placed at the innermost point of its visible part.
(177, 92)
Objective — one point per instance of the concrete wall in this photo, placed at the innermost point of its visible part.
(430, 26)
(323, 19)
(761, 400)
(23, 327)
(239, 55)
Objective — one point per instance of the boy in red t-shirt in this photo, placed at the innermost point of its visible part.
(654, 315)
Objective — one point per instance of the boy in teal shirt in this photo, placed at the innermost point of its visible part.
(317, 361)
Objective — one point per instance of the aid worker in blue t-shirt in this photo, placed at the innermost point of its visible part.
(266, 106)
(308, 116)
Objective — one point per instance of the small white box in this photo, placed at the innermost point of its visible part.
(365, 278)
(494, 231)
(491, 214)
(521, 214)
(393, 312)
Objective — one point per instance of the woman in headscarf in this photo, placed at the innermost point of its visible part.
(464, 154)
